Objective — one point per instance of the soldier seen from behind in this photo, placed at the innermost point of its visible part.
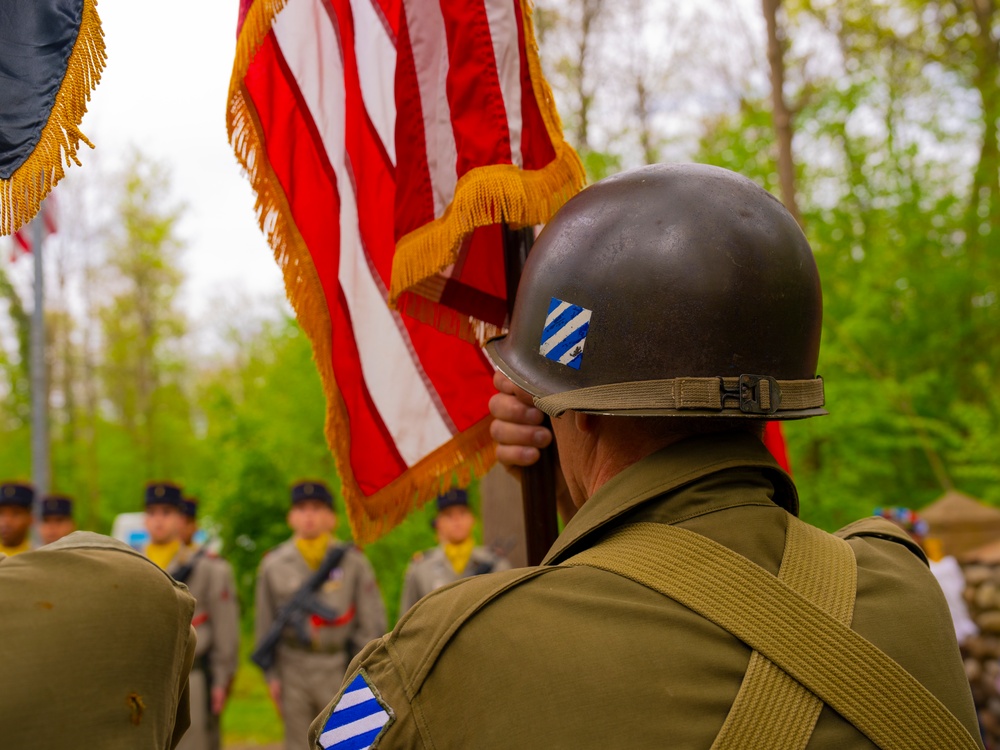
(15, 517)
(317, 604)
(663, 315)
(57, 518)
(456, 555)
(216, 615)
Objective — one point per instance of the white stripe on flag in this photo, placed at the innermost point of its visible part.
(395, 383)
(557, 338)
(503, 29)
(353, 698)
(366, 724)
(376, 56)
(556, 313)
(428, 41)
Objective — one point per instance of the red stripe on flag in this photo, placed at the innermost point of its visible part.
(536, 145)
(478, 116)
(463, 379)
(414, 205)
(295, 154)
(774, 439)
(22, 239)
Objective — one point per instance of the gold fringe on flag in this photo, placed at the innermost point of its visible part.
(469, 454)
(21, 196)
(494, 194)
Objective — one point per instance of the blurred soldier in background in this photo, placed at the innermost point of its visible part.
(96, 648)
(216, 615)
(456, 555)
(317, 605)
(15, 517)
(211, 581)
(57, 518)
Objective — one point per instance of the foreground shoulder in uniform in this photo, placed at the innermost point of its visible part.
(93, 623)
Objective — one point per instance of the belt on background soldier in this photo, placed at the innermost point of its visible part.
(311, 648)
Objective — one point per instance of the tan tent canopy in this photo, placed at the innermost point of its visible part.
(962, 523)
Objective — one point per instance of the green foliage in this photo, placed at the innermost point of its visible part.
(17, 401)
(250, 716)
(251, 518)
(141, 325)
(910, 309)
(600, 164)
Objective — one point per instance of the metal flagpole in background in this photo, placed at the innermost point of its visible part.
(39, 389)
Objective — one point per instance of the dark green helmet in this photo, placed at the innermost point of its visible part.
(681, 289)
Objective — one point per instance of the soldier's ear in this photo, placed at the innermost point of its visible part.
(584, 422)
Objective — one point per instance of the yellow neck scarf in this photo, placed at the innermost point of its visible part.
(313, 550)
(458, 554)
(162, 554)
(18, 549)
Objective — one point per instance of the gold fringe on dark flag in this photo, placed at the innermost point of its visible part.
(21, 196)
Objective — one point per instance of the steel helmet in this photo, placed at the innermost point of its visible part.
(681, 289)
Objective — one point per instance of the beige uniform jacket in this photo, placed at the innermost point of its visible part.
(350, 592)
(577, 657)
(431, 570)
(216, 614)
(95, 648)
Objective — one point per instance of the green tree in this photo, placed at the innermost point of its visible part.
(884, 195)
(143, 367)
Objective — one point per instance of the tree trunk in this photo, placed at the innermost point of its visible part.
(781, 113)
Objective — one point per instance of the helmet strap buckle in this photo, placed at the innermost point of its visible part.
(753, 394)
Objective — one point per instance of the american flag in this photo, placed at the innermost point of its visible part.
(24, 237)
(375, 130)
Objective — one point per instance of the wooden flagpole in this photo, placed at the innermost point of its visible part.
(538, 482)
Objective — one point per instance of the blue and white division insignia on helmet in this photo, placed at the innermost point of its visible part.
(565, 332)
(358, 718)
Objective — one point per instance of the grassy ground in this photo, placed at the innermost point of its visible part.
(250, 719)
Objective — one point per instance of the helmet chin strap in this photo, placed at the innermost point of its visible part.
(747, 395)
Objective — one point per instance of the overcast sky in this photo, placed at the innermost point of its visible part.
(164, 90)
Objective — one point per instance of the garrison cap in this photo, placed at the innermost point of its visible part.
(452, 497)
(55, 506)
(17, 494)
(163, 493)
(189, 506)
(311, 489)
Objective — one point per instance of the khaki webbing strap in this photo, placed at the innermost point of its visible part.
(773, 710)
(848, 673)
(747, 394)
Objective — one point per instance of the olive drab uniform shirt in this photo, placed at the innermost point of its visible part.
(350, 593)
(431, 570)
(96, 645)
(578, 657)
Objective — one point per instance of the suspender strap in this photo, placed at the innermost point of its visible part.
(844, 670)
(773, 710)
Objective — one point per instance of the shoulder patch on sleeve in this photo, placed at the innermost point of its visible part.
(359, 717)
